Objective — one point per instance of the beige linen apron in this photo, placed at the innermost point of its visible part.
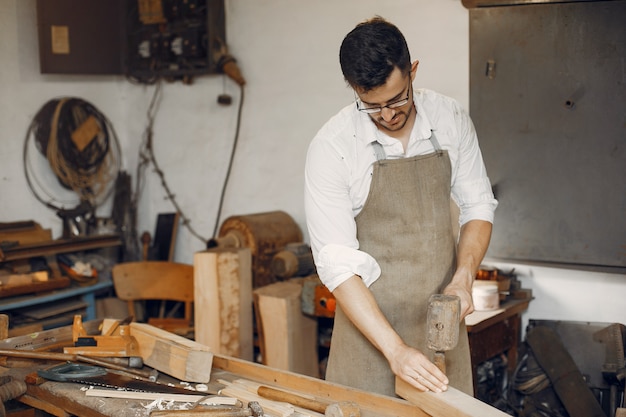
(406, 226)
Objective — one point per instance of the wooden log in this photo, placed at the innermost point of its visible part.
(223, 301)
(289, 337)
(172, 354)
(451, 403)
(265, 234)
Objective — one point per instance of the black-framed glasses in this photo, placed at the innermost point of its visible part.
(369, 110)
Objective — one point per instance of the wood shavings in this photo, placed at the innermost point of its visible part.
(162, 404)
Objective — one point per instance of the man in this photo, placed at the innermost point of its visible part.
(378, 181)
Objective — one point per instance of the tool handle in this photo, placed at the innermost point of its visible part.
(135, 373)
(297, 400)
(439, 358)
(203, 412)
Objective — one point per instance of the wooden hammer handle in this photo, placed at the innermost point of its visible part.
(297, 400)
(439, 359)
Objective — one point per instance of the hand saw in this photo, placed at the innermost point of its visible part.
(109, 378)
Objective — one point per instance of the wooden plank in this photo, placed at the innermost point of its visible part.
(62, 402)
(451, 403)
(371, 404)
(54, 247)
(43, 405)
(223, 301)
(247, 390)
(140, 395)
(172, 354)
(26, 236)
(22, 279)
(35, 286)
(53, 309)
(289, 337)
(4, 326)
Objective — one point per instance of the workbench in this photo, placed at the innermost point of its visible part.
(64, 399)
(496, 332)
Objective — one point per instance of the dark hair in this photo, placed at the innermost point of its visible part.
(371, 51)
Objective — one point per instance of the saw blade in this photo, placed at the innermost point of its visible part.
(109, 378)
(125, 383)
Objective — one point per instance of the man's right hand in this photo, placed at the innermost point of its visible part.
(359, 305)
(415, 368)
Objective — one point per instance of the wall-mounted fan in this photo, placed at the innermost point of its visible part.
(71, 161)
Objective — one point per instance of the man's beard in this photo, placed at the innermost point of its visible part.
(402, 117)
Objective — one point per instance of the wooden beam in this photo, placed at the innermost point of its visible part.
(371, 404)
(451, 403)
(172, 354)
(288, 337)
(223, 301)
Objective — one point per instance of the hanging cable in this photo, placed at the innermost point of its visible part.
(230, 163)
(147, 157)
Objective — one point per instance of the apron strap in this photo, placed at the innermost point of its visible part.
(379, 151)
(434, 141)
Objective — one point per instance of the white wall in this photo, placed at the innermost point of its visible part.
(569, 294)
(288, 53)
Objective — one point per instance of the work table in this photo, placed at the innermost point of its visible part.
(163, 350)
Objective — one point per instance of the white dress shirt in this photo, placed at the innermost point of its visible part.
(338, 174)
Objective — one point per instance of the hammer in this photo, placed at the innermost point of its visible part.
(442, 324)
(338, 409)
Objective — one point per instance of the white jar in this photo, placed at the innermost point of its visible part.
(485, 295)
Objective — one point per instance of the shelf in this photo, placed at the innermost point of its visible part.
(54, 247)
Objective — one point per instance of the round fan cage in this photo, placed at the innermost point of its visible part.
(71, 159)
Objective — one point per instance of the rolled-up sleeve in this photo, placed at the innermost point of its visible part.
(336, 263)
(471, 188)
(330, 213)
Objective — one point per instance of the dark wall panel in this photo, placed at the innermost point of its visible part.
(548, 99)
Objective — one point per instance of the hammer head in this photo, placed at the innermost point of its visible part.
(442, 322)
(255, 409)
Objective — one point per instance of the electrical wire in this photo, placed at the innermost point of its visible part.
(230, 164)
(81, 147)
(147, 157)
